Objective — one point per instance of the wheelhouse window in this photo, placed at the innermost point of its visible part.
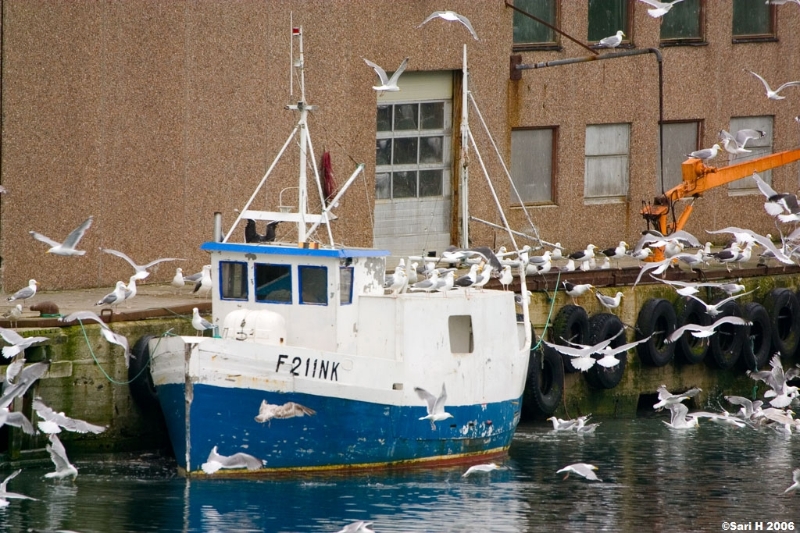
(233, 276)
(273, 283)
(530, 34)
(753, 20)
(606, 17)
(313, 285)
(460, 330)
(758, 148)
(606, 163)
(680, 139)
(532, 165)
(346, 285)
(683, 24)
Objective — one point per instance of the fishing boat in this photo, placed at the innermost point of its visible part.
(314, 366)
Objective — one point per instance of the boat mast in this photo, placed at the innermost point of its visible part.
(464, 154)
(302, 107)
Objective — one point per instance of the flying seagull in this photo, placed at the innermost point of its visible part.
(141, 270)
(17, 342)
(387, 83)
(4, 494)
(269, 411)
(105, 331)
(796, 481)
(59, 457)
(774, 95)
(68, 246)
(451, 16)
(238, 460)
(436, 410)
(480, 468)
(701, 331)
(52, 422)
(582, 469)
(660, 8)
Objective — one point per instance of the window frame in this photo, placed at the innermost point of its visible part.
(301, 281)
(555, 44)
(611, 198)
(515, 202)
(287, 266)
(772, 36)
(224, 281)
(688, 41)
(748, 185)
(627, 42)
(698, 135)
(346, 289)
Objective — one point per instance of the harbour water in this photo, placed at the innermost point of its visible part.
(653, 479)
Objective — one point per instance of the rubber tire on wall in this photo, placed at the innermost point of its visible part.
(757, 346)
(727, 341)
(141, 384)
(657, 320)
(690, 349)
(544, 386)
(603, 326)
(571, 323)
(784, 314)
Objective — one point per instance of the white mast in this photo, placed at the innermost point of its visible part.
(464, 155)
(301, 106)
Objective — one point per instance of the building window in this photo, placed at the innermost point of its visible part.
(411, 150)
(313, 285)
(529, 33)
(606, 17)
(273, 283)
(758, 148)
(532, 165)
(606, 163)
(345, 285)
(683, 23)
(234, 280)
(680, 139)
(753, 19)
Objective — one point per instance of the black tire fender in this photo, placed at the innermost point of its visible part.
(571, 323)
(726, 343)
(784, 314)
(757, 346)
(690, 349)
(544, 386)
(141, 384)
(603, 326)
(656, 320)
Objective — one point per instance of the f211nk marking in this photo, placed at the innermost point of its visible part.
(314, 368)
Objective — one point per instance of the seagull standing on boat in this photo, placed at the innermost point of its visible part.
(506, 277)
(396, 282)
(66, 248)
(436, 412)
(469, 279)
(199, 323)
(427, 285)
(451, 16)
(387, 84)
(25, 293)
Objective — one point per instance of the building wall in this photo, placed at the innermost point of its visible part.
(152, 115)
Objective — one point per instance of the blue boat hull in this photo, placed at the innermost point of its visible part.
(342, 434)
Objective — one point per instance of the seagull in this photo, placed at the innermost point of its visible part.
(609, 360)
(427, 285)
(387, 84)
(641, 254)
(583, 255)
(748, 408)
(130, 290)
(13, 314)
(506, 277)
(706, 154)
(700, 331)
(115, 297)
(679, 419)
(660, 8)
(774, 95)
(776, 379)
(141, 270)
(453, 254)
(396, 282)
(777, 203)
(105, 331)
(18, 342)
(436, 412)
(582, 469)
(269, 411)
(4, 494)
(27, 377)
(480, 468)
(665, 398)
(735, 144)
(616, 253)
(469, 279)
(782, 2)
(612, 41)
(52, 422)
(581, 354)
(747, 236)
(59, 457)
(203, 286)
(607, 301)
(199, 323)
(562, 425)
(357, 527)
(569, 266)
(216, 461)
(715, 309)
(178, 281)
(576, 291)
(794, 486)
(451, 16)
(16, 419)
(25, 293)
(67, 247)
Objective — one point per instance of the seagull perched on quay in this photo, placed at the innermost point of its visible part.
(576, 291)
(436, 412)
(115, 297)
(67, 247)
(451, 16)
(25, 293)
(609, 302)
(387, 84)
(141, 270)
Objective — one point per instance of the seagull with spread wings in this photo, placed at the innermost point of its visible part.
(451, 16)
(774, 95)
(387, 83)
(141, 270)
(67, 247)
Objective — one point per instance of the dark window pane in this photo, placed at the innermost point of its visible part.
(527, 30)
(383, 185)
(405, 151)
(384, 118)
(405, 117)
(273, 283)
(682, 21)
(346, 285)
(751, 17)
(430, 182)
(430, 149)
(432, 116)
(383, 152)
(313, 285)
(234, 280)
(404, 185)
(606, 17)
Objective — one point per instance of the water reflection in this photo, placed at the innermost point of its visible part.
(653, 478)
